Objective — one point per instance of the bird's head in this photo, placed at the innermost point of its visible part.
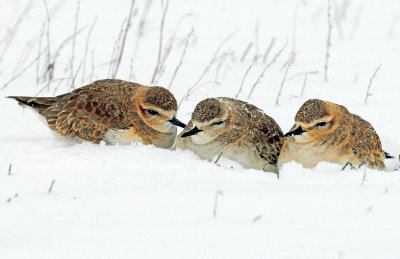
(210, 119)
(314, 120)
(157, 107)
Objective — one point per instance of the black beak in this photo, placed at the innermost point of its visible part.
(177, 122)
(297, 131)
(191, 132)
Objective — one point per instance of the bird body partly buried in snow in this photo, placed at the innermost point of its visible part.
(110, 110)
(326, 131)
(235, 129)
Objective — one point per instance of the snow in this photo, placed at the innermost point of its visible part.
(145, 202)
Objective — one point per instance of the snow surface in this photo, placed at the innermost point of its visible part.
(139, 201)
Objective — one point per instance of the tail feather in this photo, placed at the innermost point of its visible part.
(38, 103)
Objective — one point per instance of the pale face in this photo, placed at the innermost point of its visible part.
(159, 119)
(205, 132)
(308, 132)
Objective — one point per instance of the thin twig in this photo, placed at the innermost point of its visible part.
(328, 41)
(46, 87)
(217, 193)
(294, 27)
(72, 87)
(257, 218)
(271, 44)
(9, 170)
(60, 80)
(38, 60)
(49, 67)
(244, 77)
(182, 57)
(256, 40)
(86, 49)
(73, 43)
(311, 72)
(115, 49)
(22, 72)
(219, 66)
(207, 68)
(355, 78)
(304, 85)
(364, 176)
(168, 48)
(282, 83)
(141, 30)
(63, 44)
(219, 156)
(12, 29)
(92, 66)
(51, 186)
(24, 55)
(370, 83)
(265, 69)
(246, 51)
(121, 51)
(157, 68)
(338, 19)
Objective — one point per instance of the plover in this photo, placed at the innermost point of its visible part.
(326, 131)
(115, 111)
(235, 129)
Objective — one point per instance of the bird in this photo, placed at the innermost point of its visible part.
(325, 131)
(110, 110)
(234, 129)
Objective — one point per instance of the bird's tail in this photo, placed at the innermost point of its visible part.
(37, 103)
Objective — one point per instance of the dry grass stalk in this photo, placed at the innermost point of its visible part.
(181, 59)
(73, 43)
(328, 41)
(13, 28)
(121, 50)
(244, 77)
(50, 66)
(168, 48)
(304, 85)
(282, 83)
(256, 40)
(246, 51)
(141, 26)
(370, 84)
(207, 68)
(51, 186)
(39, 51)
(25, 54)
(266, 54)
(157, 68)
(115, 50)
(86, 50)
(217, 194)
(265, 69)
(20, 73)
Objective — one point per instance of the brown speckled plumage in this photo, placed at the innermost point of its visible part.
(346, 138)
(311, 110)
(162, 98)
(109, 105)
(247, 135)
(207, 110)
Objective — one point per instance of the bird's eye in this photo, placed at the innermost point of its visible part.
(152, 112)
(320, 124)
(217, 123)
